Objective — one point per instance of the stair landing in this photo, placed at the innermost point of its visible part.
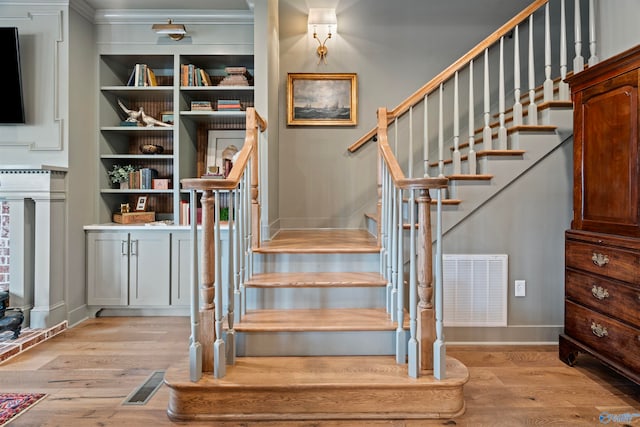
(315, 388)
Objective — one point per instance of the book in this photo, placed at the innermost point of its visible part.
(146, 177)
(201, 106)
(151, 77)
(206, 80)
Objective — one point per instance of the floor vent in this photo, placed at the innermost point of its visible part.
(475, 290)
(142, 394)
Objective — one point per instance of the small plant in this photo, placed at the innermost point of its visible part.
(119, 174)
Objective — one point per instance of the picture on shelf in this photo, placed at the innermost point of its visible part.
(141, 204)
(220, 150)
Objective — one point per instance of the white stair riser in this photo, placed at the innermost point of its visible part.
(287, 263)
(314, 298)
(331, 343)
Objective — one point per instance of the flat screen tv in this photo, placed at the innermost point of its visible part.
(11, 101)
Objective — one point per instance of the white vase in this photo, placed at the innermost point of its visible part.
(124, 185)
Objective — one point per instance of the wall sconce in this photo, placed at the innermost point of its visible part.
(174, 31)
(323, 19)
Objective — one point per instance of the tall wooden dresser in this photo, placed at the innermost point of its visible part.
(602, 249)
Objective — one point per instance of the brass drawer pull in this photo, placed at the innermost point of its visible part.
(599, 293)
(599, 330)
(599, 259)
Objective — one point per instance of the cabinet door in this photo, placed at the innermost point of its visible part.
(149, 268)
(107, 268)
(181, 269)
(606, 155)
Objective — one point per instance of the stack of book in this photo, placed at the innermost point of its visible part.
(190, 75)
(229, 105)
(142, 179)
(236, 77)
(142, 75)
(201, 106)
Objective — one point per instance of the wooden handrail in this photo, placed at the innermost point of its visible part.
(254, 120)
(448, 72)
(395, 170)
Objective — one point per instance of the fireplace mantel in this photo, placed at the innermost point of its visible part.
(37, 208)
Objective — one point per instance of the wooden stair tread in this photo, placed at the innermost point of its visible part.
(466, 177)
(304, 320)
(316, 280)
(287, 389)
(321, 241)
(318, 371)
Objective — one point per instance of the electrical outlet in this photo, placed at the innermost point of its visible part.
(520, 288)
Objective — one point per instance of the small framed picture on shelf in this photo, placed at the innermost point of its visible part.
(141, 204)
(166, 117)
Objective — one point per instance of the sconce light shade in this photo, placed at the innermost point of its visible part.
(174, 31)
(325, 21)
(323, 17)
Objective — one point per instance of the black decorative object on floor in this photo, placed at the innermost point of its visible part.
(10, 318)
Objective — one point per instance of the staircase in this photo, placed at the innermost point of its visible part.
(316, 293)
(317, 323)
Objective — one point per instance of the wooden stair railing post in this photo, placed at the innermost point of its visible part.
(252, 127)
(426, 315)
(207, 308)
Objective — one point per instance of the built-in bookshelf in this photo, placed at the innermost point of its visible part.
(155, 84)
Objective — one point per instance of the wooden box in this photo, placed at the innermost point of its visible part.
(134, 217)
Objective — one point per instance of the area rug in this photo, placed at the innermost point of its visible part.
(14, 404)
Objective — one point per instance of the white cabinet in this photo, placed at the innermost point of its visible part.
(128, 268)
(181, 268)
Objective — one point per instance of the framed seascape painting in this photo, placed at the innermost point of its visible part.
(315, 99)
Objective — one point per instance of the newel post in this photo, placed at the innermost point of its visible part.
(426, 314)
(252, 129)
(207, 312)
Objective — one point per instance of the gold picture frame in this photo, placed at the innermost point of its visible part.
(322, 99)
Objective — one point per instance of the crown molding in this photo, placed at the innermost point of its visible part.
(181, 16)
(84, 9)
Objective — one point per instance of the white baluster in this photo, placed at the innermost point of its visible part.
(195, 348)
(563, 88)
(517, 106)
(237, 260)
(231, 334)
(426, 136)
(548, 83)
(533, 108)
(414, 346)
(441, 134)
(593, 58)
(578, 60)
(219, 352)
(410, 169)
(486, 131)
(396, 219)
(401, 339)
(472, 150)
(439, 348)
(457, 167)
(502, 131)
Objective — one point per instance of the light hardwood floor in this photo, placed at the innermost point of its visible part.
(90, 369)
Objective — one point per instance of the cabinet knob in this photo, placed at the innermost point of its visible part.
(599, 330)
(599, 259)
(599, 293)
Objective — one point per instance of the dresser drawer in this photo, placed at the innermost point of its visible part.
(609, 337)
(608, 297)
(615, 263)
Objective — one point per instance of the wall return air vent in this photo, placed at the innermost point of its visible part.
(475, 290)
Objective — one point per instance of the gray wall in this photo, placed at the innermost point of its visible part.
(394, 47)
(82, 158)
(617, 28)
